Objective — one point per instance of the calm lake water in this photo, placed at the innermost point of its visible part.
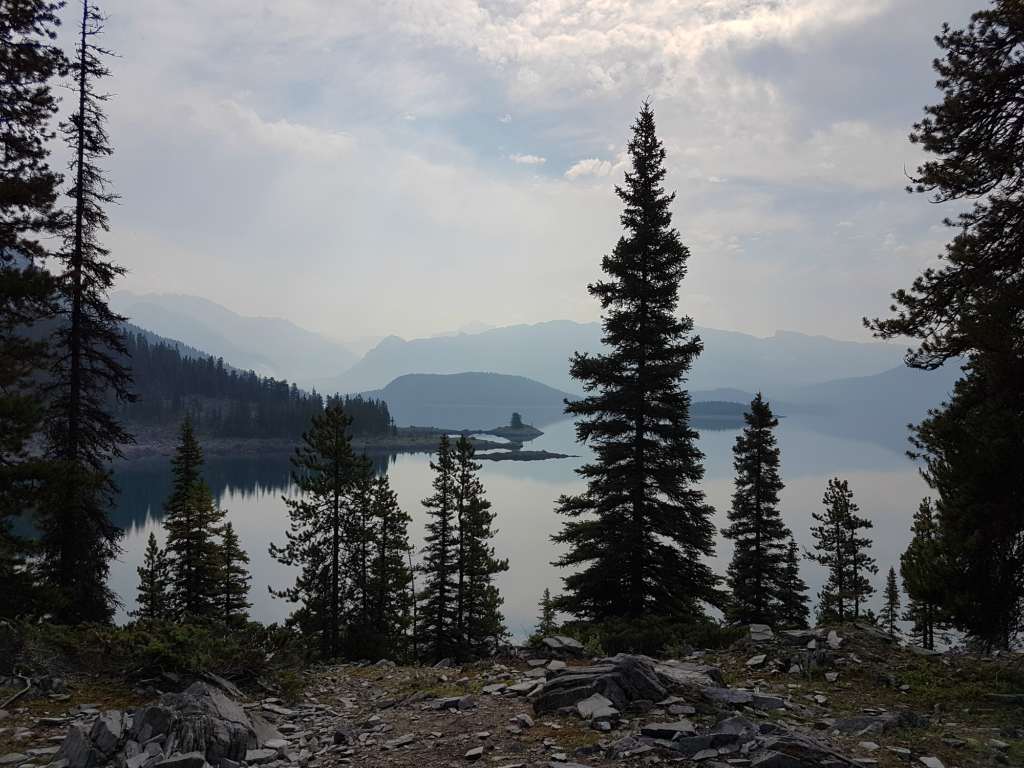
(886, 485)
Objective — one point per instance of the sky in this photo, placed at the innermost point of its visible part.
(367, 167)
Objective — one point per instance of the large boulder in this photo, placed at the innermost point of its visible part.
(621, 679)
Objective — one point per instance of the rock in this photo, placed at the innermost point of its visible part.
(691, 745)
(901, 752)
(919, 651)
(740, 726)
(523, 720)
(835, 642)
(108, 731)
(475, 753)
(151, 721)
(556, 665)
(401, 741)
(668, 731)
(621, 679)
(597, 707)
(1002, 746)
(209, 722)
(757, 661)
(77, 750)
(278, 710)
(493, 690)
(564, 645)
(868, 746)
(1006, 698)
(14, 758)
(345, 734)
(931, 762)
(831, 676)
(733, 696)
(761, 633)
(445, 663)
(260, 756)
(276, 744)
(183, 760)
(453, 702)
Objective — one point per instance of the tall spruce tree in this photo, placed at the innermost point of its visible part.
(194, 525)
(88, 371)
(891, 603)
(924, 572)
(29, 60)
(638, 535)
(152, 600)
(970, 308)
(791, 591)
(233, 591)
(841, 548)
(391, 576)
(324, 469)
(359, 532)
(760, 538)
(437, 632)
(479, 623)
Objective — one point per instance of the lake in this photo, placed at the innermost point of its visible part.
(885, 482)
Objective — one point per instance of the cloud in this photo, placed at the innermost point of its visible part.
(527, 159)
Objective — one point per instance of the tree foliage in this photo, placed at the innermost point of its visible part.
(891, 603)
(233, 592)
(437, 634)
(925, 575)
(29, 61)
(841, 549)
(638, 535)
(756, 577)
(78, 537)
(154, 575)
(971, 307)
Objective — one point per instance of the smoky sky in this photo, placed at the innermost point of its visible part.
(367, 167)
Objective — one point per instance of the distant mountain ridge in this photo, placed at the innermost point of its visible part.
(542, 352)
(270, 346)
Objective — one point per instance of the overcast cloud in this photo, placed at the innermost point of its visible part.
(413, 166)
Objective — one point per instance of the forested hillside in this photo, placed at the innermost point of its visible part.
(225, 402)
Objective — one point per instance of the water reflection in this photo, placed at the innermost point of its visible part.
(886, 484)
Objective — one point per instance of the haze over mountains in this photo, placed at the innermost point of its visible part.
(809, 375)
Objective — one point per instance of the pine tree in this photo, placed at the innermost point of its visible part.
(843, 551)
(891, 603)
(760, 536)
(923, 569)
(360, 531)
(88, 372)
(546, 624)
(392, 577)
(233, 594)
(637, 535)
(790, 608)
(194, 524)
(969, 307)
(29, 60)
(152, 600)
(479, 623)
(324, 469)
(437, 632)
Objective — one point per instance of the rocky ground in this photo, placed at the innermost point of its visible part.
(845, 697)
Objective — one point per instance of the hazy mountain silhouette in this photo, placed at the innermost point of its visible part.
(735, 360)
(270, 346)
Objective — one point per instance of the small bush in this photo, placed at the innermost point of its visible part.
(654, 636)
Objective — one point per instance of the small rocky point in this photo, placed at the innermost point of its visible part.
(774, 700)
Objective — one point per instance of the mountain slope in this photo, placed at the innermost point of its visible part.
(270, 346)
(542, 352)
(471, 400)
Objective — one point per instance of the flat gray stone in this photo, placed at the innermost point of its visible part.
(669, 731)
(183, 760)
(761, 633)
(14, 758)
(260, 756)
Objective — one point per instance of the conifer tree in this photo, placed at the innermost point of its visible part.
(233, 595)
(152, 600)
(546, 624)
(969, 308)
(194, 524)
(88, 372)
(360, 530)
(29, 60)
(437, 632)
(891, 603)
(638, 535)
(791, 591)
(324, 469)
(843, 551)
(479, 623)
(923, 569)
(392, 577)
(760, 536)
